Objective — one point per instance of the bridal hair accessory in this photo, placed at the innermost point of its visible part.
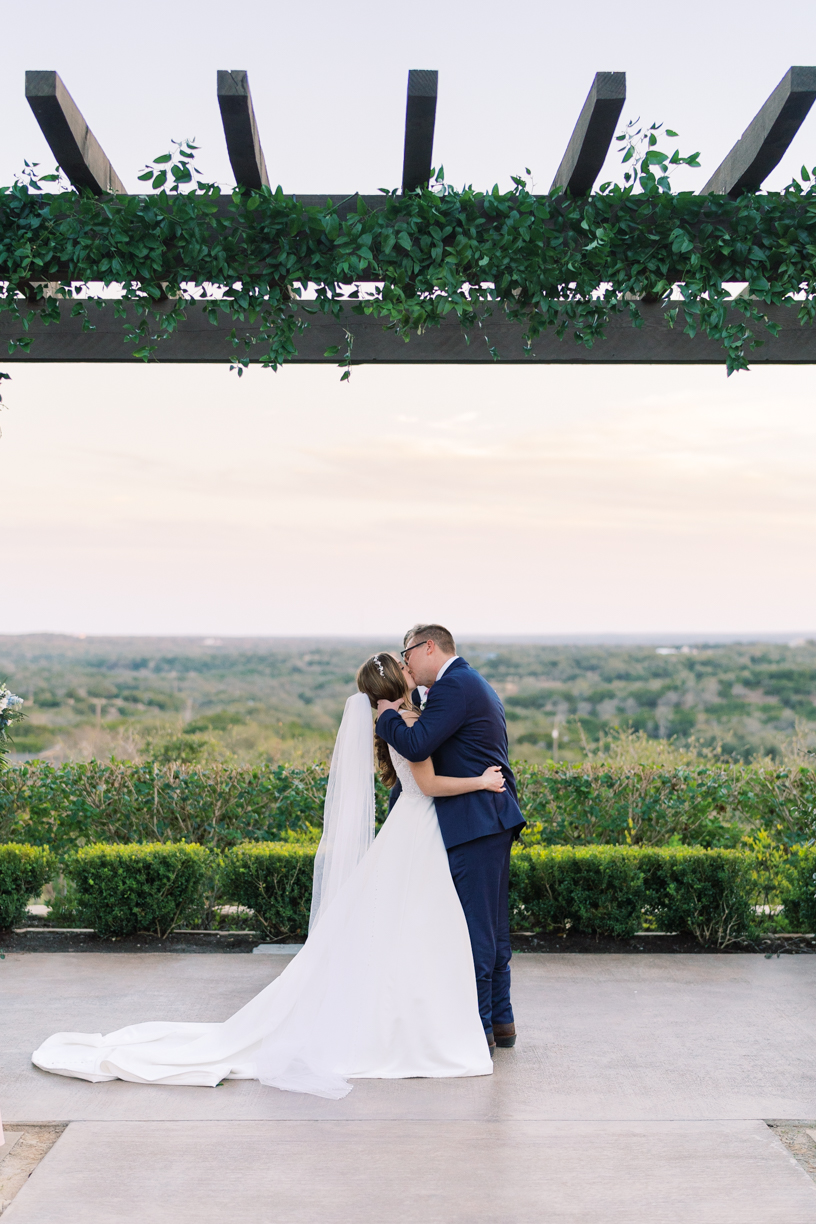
(378, 665)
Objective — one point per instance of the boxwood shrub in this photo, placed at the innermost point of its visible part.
(152, 887)
(704, 893)
(274, 880)
(24, 870)
(593, 890)
(799, 890)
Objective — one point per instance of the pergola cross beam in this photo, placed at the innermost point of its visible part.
(768, 136)
(196, 340)
(77, 151)
(592, 135)
(420, 119)
(241, 129)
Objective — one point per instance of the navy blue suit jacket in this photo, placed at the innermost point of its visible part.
(463, 730)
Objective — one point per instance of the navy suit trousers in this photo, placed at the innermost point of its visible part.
(481, 873)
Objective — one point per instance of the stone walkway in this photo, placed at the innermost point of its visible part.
(636, 1095)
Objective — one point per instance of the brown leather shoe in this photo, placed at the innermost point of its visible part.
(491, 1041)
(505, 1035)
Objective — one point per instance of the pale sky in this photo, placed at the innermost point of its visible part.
(498, 500)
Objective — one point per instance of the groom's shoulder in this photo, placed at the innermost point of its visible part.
(461, 673)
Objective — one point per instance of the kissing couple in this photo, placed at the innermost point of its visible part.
(406, 969)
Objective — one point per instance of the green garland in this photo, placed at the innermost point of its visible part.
(546, 261)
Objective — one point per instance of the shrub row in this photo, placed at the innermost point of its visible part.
(71, 805)
(593, 890)
(219, 806)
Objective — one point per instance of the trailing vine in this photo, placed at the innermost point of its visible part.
(267, 261)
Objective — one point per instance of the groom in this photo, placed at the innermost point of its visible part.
(463, 729)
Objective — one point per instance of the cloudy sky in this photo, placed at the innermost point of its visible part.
(500, 500)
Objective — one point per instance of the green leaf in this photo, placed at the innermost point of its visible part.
(143, 178)
(332, 350)
(345, 377)
(160, 179)
(669, 132)
(805, 175)
(160, 161)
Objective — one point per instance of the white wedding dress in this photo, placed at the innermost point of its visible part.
(384, 988)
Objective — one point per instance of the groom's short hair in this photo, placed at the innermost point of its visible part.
(433, 633)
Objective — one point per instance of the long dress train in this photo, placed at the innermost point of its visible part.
(384, 988)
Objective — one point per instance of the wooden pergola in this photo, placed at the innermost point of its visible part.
(757, 152)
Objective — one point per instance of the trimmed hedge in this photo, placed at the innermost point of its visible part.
(612, 890)
(24, 872)
(595, 890)
(275, 882)
(799, 890)
(122, 890)
(592, 890)
(220, 806)
(704, 893)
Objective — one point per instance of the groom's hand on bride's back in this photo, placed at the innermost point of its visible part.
(383, 705)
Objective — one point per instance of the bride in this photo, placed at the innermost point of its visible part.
(383, 988)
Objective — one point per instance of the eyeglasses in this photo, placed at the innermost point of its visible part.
(407, 649)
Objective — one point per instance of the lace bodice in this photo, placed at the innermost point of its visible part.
(409, 786)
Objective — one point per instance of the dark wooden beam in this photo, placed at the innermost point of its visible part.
(590, 141)
(78, 152)
(420, 117)
(765, 141)
(197, 341)
(241, 130)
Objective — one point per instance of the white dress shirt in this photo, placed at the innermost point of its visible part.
(445, 667)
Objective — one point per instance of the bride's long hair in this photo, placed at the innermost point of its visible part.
(382, 679)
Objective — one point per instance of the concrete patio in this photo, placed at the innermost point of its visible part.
(637, 1094)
